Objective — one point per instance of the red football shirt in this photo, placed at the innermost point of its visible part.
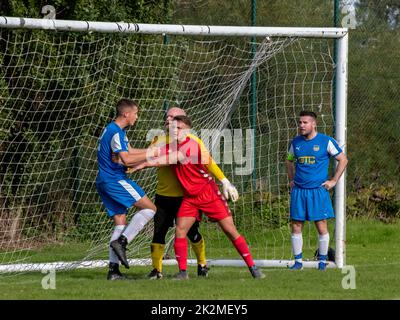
(191, 172)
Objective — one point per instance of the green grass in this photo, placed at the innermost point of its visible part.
(372, 248)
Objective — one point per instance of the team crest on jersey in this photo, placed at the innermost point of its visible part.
(316, 148)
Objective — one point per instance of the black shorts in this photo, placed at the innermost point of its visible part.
(167, 209)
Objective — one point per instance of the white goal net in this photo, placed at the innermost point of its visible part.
(58, 90)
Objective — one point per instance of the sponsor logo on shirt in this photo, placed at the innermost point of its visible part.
(306, 160)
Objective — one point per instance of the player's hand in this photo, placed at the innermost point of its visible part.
(291, 185)
(329, 184)
(115, 158)
(229, 190)
(130, 170)
(153, 152)
(136, 168)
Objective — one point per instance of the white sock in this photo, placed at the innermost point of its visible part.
(323, 241)
(297, 245)
(139, 220)
(116, 233)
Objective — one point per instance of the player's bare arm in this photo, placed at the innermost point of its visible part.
(342, 163)
(290, 172)
(135, 156)
(129, 159)
(152, 150)
(161, 161)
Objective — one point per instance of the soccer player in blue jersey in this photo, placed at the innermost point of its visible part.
(117, 192)
(307, 168)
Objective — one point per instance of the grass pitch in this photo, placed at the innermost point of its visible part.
(372, 248)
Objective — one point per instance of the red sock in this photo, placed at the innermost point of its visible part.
(181, 247)
(241, 246)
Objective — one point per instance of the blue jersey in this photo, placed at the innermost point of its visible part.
(312, 159)
(112, 140)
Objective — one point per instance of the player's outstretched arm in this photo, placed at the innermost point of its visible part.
(160, 161)
(136, 156)
(228, 189)
(152, 149)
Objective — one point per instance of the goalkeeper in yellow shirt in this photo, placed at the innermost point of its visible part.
(168, 200)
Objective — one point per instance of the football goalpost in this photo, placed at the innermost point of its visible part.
(60, 81)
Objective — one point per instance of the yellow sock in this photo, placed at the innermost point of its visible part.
(157, 252)
(199, 249)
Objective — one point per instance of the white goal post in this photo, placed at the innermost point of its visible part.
(15, 262)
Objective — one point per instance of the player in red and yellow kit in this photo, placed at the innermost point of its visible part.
(168, 199)
(188, 158)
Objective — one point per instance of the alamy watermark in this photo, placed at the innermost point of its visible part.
(49, 280)
(349, 17)
(349, 280)
(49, 12)
(235, 147)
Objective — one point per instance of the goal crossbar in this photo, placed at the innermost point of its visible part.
(126, 27)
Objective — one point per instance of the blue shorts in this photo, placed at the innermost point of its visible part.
(310, 204)
(118, 196)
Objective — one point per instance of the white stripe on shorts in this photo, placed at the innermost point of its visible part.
(130, 189)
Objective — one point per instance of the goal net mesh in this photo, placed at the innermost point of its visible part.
(59, 90)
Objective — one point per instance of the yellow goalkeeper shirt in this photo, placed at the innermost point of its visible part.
(168, 184)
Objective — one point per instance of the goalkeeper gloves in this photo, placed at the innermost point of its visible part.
(229, 190)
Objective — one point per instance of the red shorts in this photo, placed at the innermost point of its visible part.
(210, 201)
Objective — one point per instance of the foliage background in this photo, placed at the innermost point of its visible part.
(373, 104)
(373, 95)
